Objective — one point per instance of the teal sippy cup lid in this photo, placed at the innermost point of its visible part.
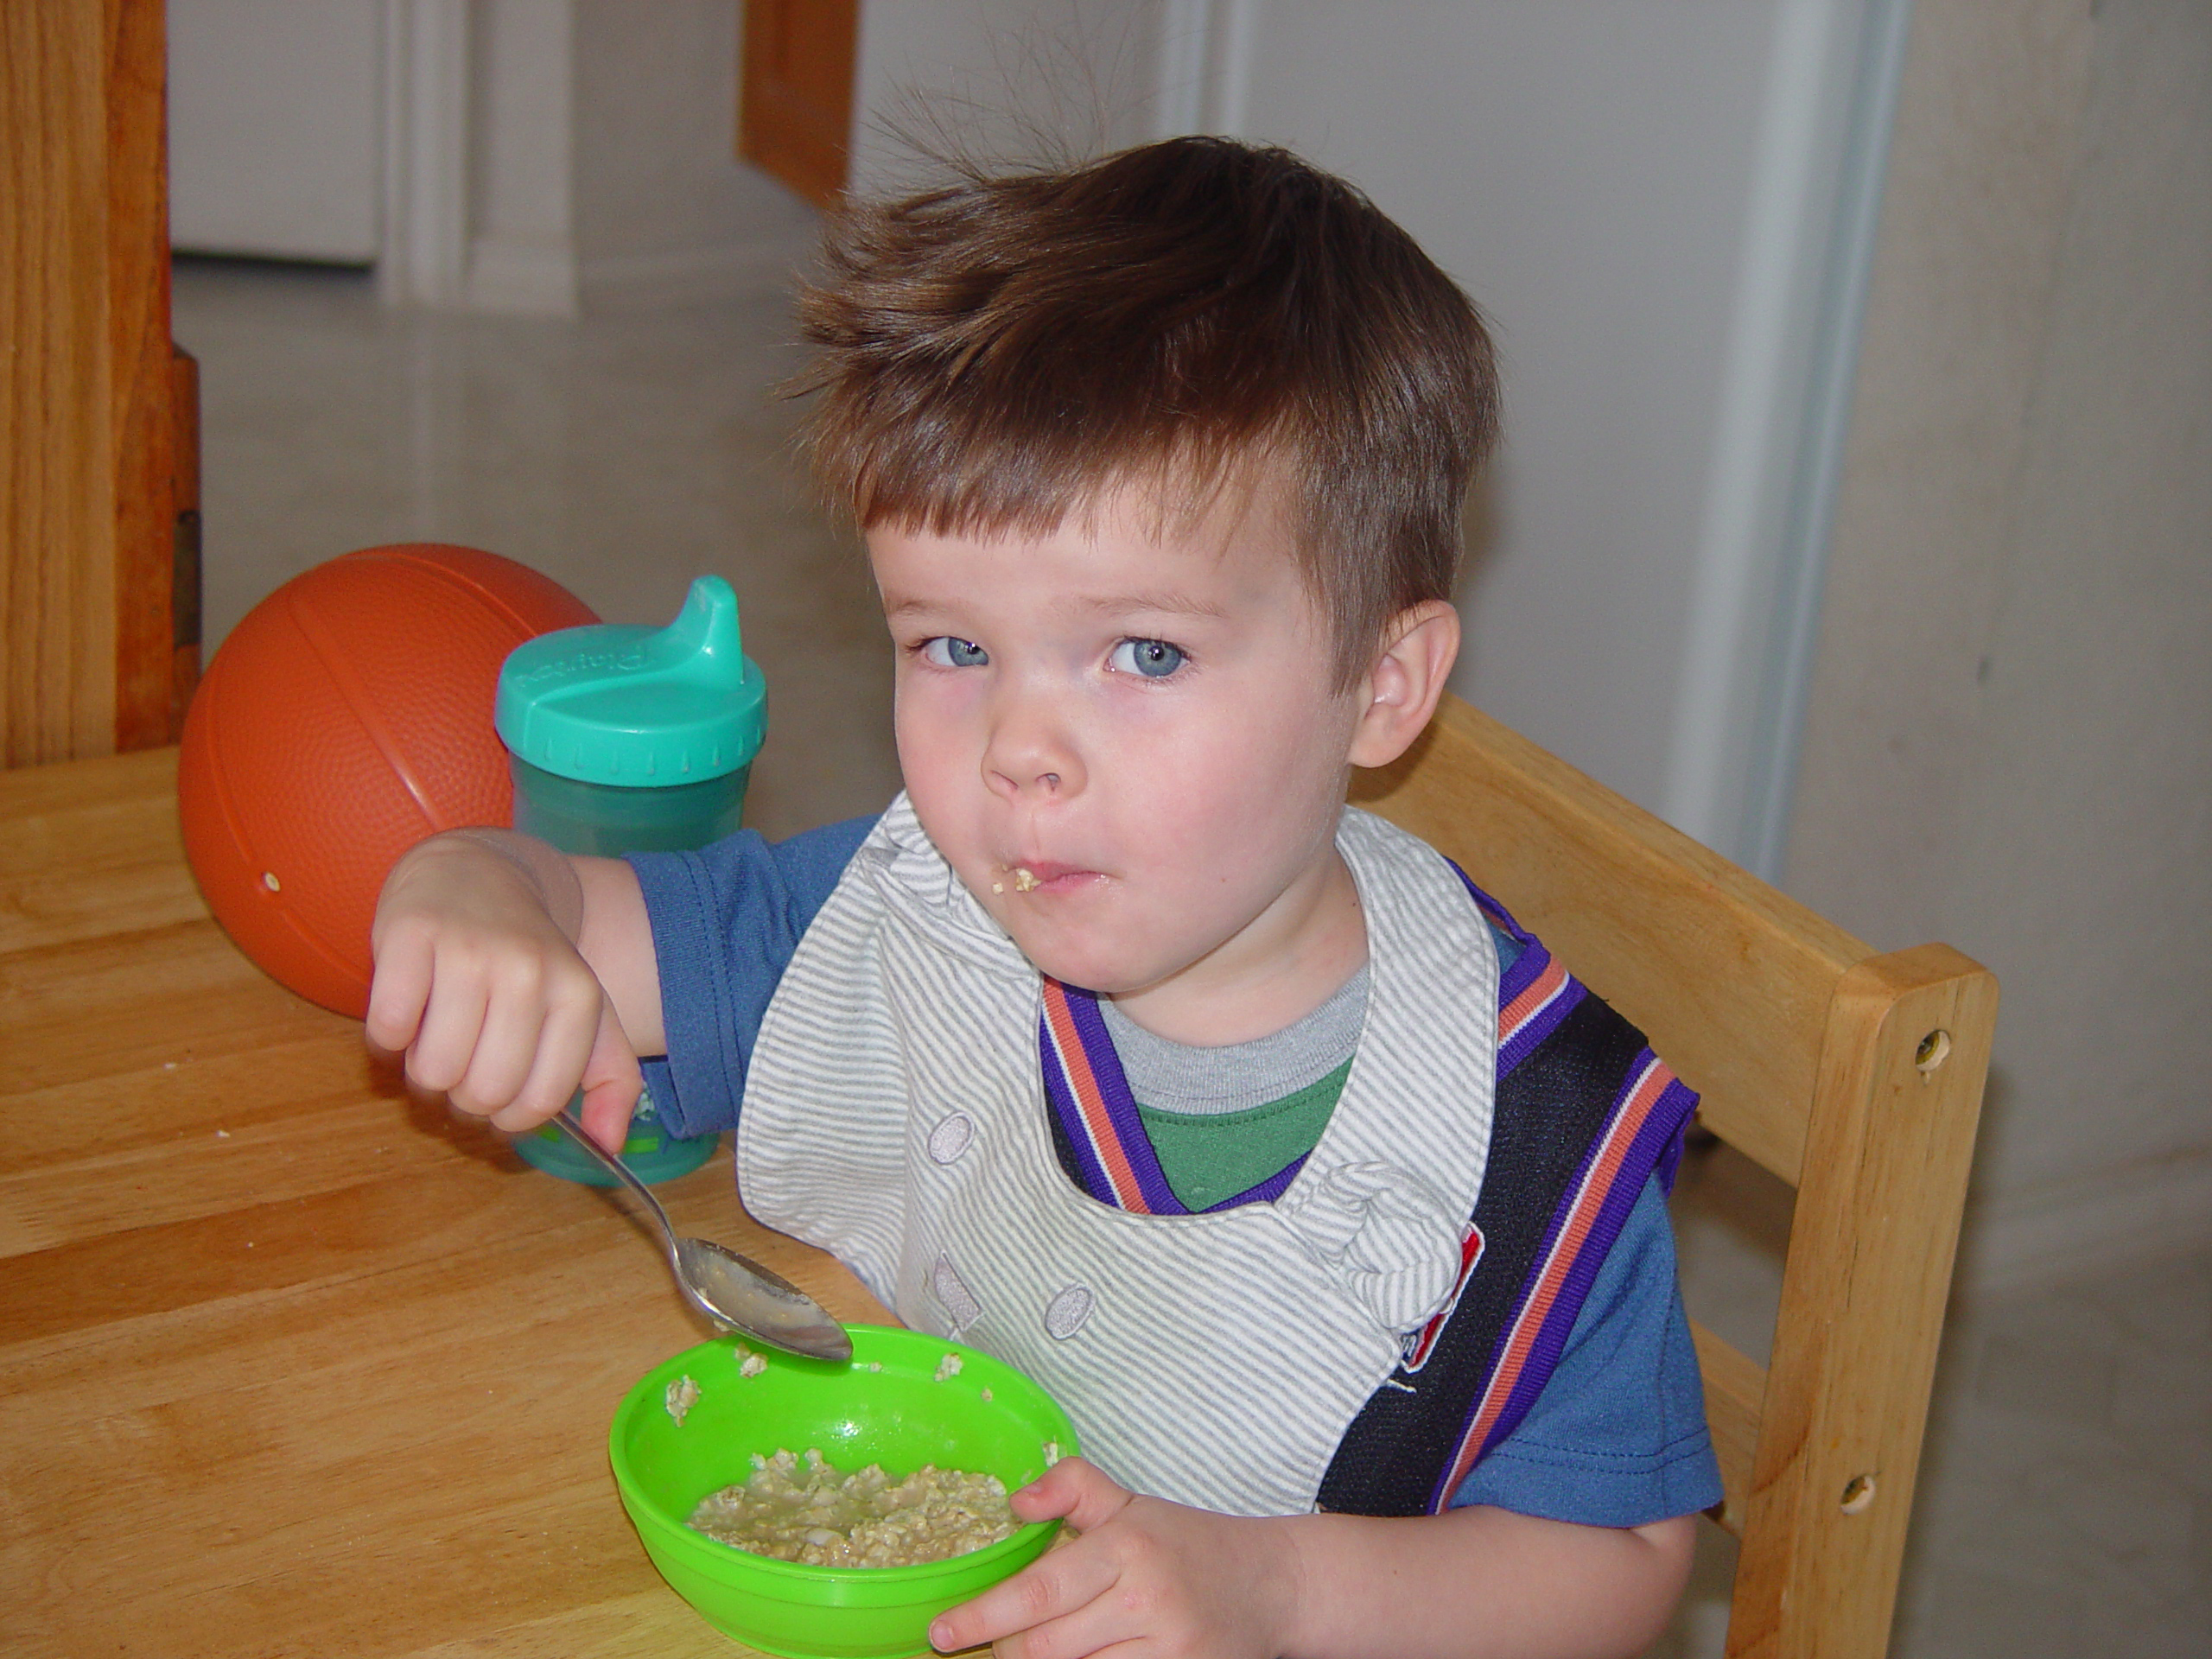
(637, 707)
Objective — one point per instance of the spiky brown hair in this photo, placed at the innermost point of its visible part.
(994, 354)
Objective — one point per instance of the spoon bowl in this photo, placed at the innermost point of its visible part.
(730, 1289)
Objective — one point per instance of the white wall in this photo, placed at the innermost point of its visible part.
(521, 238)
(1011, 80)
(1584, 177)
(2010, 740)
(600, 153)
(1588, 171)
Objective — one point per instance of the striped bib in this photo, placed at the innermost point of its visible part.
(923, 1103)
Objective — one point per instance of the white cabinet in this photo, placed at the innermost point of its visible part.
(274, 128)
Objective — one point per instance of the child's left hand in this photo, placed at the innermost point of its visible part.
(1160, 1578)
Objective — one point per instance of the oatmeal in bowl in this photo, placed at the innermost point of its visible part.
(805, 1510)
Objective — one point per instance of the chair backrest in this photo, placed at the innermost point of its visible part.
(1855, 1077)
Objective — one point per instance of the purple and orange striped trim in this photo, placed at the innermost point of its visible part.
(1647, 1115)
(1534, 995)
(1089, 1093)
(1083, 1079)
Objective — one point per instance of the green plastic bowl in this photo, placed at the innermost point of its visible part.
(900, 1417)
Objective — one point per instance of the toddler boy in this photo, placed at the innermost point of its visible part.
(1323, 1198)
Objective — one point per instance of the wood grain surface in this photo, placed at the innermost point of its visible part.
(290, 1363)
(142, 379)
(57, 523)
(88, 446)
(1864, 1287)
(795, 91)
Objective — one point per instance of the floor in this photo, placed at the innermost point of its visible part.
(2065, 1504)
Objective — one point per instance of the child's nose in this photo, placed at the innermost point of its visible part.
(1031, 756)
(1015, 779)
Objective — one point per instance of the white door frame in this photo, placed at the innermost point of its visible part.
(424, 257)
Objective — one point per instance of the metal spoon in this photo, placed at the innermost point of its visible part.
(730, 1288)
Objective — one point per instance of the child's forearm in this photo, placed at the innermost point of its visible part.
(1479, 1581)
(1472, 1583)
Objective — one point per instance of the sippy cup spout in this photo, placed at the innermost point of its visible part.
(707, 631)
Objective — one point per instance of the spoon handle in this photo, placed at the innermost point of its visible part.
(616, 1167)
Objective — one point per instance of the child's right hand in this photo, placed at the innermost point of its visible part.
(479, 981)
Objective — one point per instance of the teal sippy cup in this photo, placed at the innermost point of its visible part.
(627, 739)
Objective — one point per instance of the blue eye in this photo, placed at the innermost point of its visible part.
(946, 652)
(1153, 658)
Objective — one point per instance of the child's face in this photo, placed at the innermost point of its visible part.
(1125, 741)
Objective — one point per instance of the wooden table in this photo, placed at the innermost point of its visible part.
(290, 1363)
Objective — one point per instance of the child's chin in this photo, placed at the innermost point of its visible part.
(1087, 969)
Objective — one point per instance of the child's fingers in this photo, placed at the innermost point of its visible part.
(1063, 1585)
(397, 994)
(453, 1017)
(508, 1045)
(552, 1080)
(561, 1047)
(613, 1082)
(1075, 1488)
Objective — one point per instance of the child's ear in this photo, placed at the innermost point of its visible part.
(1401, 691)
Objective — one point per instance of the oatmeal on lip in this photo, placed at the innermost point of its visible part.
(1028, 878)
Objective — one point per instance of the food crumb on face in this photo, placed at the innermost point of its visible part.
(681, 1395)
(998, 886)
(947, 1368)
(1024, 878)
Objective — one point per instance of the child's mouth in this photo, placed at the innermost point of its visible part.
(1027, 878)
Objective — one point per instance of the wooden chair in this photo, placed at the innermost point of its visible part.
(1855, 1077)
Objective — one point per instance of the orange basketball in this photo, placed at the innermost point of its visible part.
(345, 717)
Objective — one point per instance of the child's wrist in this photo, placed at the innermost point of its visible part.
(1309, 1618)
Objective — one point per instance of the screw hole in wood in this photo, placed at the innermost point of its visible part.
(1935, 1049)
